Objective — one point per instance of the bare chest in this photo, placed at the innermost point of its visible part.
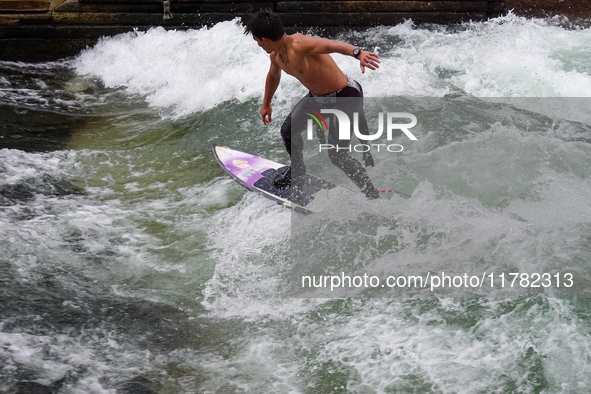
(288, 61)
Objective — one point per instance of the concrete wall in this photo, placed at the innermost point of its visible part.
(573, 9)
(39, 30)
(294, 13)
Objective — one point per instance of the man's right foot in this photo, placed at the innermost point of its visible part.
(370, 192)
(283, 178)
(372, 195)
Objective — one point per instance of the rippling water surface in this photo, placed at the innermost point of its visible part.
(130, 263)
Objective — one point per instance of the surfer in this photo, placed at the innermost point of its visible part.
(308, 59)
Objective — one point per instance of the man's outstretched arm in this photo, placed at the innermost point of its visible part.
(271, 84)
(318, 46)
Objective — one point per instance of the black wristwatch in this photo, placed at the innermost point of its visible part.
(356, 52)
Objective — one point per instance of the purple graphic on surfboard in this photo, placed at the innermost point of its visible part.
(244, 167)
(255, 173)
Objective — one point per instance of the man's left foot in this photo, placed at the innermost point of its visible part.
(283, 178)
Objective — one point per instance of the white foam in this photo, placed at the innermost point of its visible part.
(16, 165)
(187, 71)
(396, 344)
(380, 345)
(195, 70)
(503, 57)
(36, 354)
(250, 242)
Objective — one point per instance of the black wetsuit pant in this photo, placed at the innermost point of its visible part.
(294, 143)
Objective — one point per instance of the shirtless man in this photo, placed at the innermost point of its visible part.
(307, 59)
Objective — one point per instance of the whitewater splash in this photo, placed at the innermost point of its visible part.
(195, 70)
(132, 264)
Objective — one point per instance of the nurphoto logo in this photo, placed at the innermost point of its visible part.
(344, 124)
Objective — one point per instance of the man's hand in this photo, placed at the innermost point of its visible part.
(368, 59)
(266, 114)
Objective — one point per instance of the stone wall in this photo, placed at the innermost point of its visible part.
(573, 9)
(38, 30)
(293, 13)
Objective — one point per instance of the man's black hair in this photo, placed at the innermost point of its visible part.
(265, 24)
